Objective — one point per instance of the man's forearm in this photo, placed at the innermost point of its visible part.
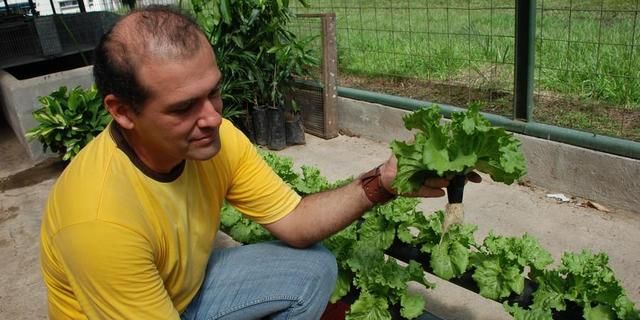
(320, 215)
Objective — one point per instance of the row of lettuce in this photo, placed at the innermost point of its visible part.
(499, 264)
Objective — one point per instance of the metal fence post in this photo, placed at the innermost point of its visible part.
(524, 59)
(81, 6)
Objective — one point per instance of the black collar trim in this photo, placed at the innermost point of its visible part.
(122, 144)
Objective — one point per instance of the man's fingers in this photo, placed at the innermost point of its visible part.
(428, 192)
(474, 177)
(436, 183)
(434, 187)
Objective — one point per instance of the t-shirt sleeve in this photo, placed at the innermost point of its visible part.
(112, 272)
(256, 190)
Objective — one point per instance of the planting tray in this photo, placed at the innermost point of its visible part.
(406, 253)
(337, 311)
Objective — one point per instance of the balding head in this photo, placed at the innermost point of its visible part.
(149, 35)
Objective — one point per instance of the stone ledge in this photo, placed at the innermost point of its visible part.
(607, 179)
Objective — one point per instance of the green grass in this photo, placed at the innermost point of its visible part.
(588, 51)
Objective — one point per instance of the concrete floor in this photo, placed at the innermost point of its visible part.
(507, 210)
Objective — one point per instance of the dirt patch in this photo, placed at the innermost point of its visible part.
(42, 171)
(8, 214)
(348, 133)
(452, 93)
(593, 116)
(4, 243)
(551, 108)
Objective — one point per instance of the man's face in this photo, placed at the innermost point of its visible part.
(182, 115)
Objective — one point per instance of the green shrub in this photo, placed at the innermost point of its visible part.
(256, 51)
(68, 120)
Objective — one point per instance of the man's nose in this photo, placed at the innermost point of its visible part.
(209, 117)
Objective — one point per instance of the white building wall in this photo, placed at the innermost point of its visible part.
(71, 6)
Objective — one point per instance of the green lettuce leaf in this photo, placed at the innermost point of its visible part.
(589, 278)
(550, 293)
(501, 262)
(229, 216)
(423, 231)
(377, 231)
(466, 143)
(450, 257)
(599, 312)
(247, 232)
(240, 228)
(365, 257)
(519, 313)
(401, 209)
(586, 279)
(282, 166)
(343, 285)
(311, 181)
(625, 309)
(497, 281)
(342, 244)
(369, 307)
(411, 305)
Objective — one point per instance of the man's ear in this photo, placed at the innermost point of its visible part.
(121, 112)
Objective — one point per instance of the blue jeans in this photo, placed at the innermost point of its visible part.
(265, 280)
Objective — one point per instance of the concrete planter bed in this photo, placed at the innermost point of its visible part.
(338, 310)
(19, 98)
(406, 253)
(41, 54)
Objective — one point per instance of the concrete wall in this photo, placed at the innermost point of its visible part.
(607, 179)
(19, 98)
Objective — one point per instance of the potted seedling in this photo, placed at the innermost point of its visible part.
(294, 126)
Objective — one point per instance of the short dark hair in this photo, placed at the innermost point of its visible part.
(126, 45)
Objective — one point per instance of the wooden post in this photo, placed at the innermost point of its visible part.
(329, 72)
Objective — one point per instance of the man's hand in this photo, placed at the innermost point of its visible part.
(322, 214)
(432, 187)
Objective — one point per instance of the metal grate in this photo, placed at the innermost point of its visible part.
(319, 105)
(311, 102)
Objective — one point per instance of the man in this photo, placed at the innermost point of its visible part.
(129, 227)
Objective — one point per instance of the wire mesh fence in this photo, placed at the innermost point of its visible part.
(460, 51)
(587, 74)
(446, 52)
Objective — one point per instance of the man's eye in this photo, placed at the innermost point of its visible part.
(215, 92)
(183, 107)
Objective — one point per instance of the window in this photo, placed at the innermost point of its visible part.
(68, 4)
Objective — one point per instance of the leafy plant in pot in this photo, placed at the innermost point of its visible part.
(257, 55)
(230, 30)
(237, 86)
(68, 120)
(293, 58)
(293, 125)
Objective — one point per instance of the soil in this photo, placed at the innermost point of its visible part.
(48, 169)
(551, 108)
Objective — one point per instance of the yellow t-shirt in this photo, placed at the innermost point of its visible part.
(119, 242)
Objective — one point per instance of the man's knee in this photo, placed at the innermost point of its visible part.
(325, 264)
